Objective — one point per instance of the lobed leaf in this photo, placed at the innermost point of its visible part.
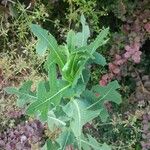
(24, 93)
(42, 106)
(105, 94)
(76, 110)
(46, 41)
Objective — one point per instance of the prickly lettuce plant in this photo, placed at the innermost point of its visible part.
(63, 100)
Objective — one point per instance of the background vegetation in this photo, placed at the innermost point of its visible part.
(127, 53)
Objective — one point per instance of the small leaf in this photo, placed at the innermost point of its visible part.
(104, 115)
(81, 37)
(99, 59)
(90, 143)
(72, 70)
(71, 40)
(99, 41)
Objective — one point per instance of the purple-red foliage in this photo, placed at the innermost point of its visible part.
(21, 137)
(133, 34)
(145, 143)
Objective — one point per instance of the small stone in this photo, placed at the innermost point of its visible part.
(145, 20)
(145, 78)
(147, 84)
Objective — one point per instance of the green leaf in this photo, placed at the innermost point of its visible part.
(91, 143)
(50, 60)
(52, 74)
(104, 114)
(99, 41)
(82, 82)
(41, 91)
(99, 59)
(71, 40)
(76, 109)
(81, 37)
(42, 95)
(72, 70)
(64, 52)
(49, 145)
(94, 142)
(89, 96)
(66, 138)
(89, 51)
(106, 93)
(49, 99)
(24, 94)
(54, 122)
(105, 147)
(50, 96)
(42, 34)
(46, 41)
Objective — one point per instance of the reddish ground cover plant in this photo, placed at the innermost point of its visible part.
(134, 32)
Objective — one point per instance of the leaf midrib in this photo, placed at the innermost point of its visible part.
(65, 144)
(48, 99)
(79, 121)
(101, 98)
(58, 120)
(52, 47)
